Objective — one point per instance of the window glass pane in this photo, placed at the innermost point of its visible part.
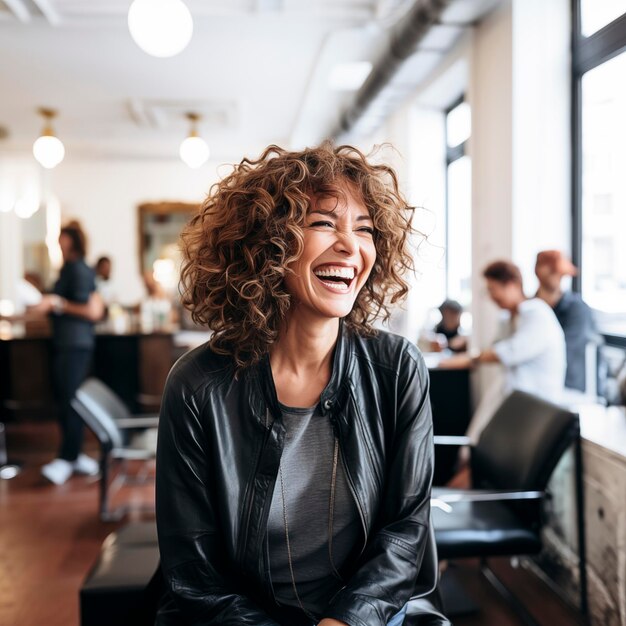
(460, 230)
(458, 125)
(596, 14)
(604, 192)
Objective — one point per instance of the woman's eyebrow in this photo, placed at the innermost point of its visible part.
(333, 214)
(322, 212)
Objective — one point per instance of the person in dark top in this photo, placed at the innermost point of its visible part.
(74, 307)
(294, 458)
(574, 315)
(450, 325)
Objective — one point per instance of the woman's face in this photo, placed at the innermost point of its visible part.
(337, 259)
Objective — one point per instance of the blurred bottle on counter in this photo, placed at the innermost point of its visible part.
(155, 312)
(119, 319)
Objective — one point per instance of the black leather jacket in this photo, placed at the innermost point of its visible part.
(217, 464)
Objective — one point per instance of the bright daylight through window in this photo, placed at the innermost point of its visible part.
(459, 205)
(604, 193)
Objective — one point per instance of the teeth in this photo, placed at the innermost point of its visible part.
(339, 272)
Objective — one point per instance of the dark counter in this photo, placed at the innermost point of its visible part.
(134, 364)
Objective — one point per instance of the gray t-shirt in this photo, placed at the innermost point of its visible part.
(306, 469)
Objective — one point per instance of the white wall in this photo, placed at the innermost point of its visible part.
(104, 195)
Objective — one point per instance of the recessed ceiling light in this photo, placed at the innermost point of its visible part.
(349, 76)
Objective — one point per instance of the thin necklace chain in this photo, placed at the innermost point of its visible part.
(331, 506)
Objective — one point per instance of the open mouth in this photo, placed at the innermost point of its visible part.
(336, 278)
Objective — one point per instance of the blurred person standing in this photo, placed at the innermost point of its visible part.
(74, 307)
(574, 315)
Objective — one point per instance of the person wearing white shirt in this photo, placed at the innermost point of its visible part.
(530, 345)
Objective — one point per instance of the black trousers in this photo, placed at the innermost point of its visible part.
(71, 367)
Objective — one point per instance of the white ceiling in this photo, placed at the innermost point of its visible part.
(256, 69)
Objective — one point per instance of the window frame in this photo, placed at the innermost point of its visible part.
(587, 54)
(452, 155)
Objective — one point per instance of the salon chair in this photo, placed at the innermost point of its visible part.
(511, 465)
(122, 438)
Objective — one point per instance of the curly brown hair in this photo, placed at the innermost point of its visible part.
(238, 247)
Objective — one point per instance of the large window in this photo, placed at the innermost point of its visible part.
(458, 204)
(600, 160)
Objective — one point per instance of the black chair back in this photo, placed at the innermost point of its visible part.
(99, 407)
(522, 444)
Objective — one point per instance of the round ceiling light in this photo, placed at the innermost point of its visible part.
(194, 151)
(162, 28)
(48, 149)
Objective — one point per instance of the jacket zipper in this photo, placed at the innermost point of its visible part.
(336, 429)
(250, 497)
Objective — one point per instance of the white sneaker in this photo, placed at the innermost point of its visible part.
(86, 465)
(57, 471)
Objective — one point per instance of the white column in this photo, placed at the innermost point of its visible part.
(541, 132)
(491, 150)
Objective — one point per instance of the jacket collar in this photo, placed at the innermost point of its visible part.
(332, 395)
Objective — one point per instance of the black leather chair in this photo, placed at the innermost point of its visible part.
(122, 437)
(502, 515)
(124, 586)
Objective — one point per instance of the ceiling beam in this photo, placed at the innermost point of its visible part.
(404, 37)
(48, 11)
(19, 9)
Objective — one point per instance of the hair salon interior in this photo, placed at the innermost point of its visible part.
(505, 121)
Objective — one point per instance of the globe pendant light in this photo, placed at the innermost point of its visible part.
(48, 149)
(161, 28)
(194, 150)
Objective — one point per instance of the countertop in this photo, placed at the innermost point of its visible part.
(604, 426)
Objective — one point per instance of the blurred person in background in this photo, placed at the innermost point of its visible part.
(529, 345)
(574, 315)
(450, 326)
(74, 307)
(104, 284)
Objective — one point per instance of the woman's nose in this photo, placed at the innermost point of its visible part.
(346, 243)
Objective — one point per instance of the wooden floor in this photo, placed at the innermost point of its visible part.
(50, 537)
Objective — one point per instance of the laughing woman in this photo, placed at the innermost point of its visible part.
(295, 448)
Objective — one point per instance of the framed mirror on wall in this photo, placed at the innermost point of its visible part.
(160, 225)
